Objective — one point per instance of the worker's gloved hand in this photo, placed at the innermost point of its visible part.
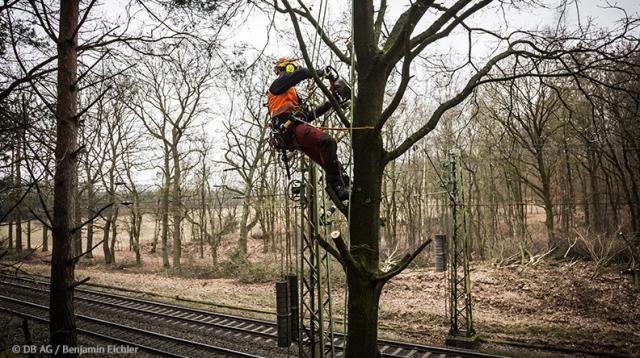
(328, 73)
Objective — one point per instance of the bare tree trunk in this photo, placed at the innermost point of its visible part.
(213, 247)
(11, 181)
(165, 209)
(114, 234)
(203, 209)
(105, 240)
(89, 238)
(569, 197)
(634, 196)
(595, 189)
(368, 171)
(130, 230)
(156, 227)
(611, 219)
(91, 207)
(29, 234)
(62, 327)
(585, 205)
(77, 235)
(10, 234)
(393, 220)
(137, 225)
(547, 198)
(18, 209)
(245, 226)
(176, 206)
(45, 238)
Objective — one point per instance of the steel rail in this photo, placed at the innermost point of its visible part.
(388, 348)
(201, 320)
(102, 323)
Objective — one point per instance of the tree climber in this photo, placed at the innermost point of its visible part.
(289, 118)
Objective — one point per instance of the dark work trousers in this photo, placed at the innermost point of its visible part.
(317, 145)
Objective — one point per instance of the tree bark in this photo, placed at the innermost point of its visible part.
(244, 219)
(568, 210)
(203, 209)
(10, 234)
(369, 162)
(77, 235)
(634, 196)
(62, 327)
(364, 297)
(45, 239)
(105, 239)
(165, 209)
(156, 228)
(18, 209)
(29, 234)
(114, 234)
(11, 181)
(176, 207)
(137, 225)
(89, 238)
(595, 190)
(547, 198)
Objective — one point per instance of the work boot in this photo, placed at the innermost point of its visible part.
(340, 185)
(338, 180)
(341, 190)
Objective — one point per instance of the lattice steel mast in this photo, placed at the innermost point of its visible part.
(315, 336)
(461, 331)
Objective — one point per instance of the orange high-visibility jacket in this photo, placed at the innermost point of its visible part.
(287, 102)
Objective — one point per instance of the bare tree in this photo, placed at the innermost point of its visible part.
(381, 50)
(176, 102)
(246, 146)
(529, 111)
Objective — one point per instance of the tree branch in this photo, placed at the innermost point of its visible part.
(377, 26)
(75, 258)
(386, 276)
(349, 263)
(437, 114)
(303, 47)
(98, 213)
(323, 35)
(330, 249)
(24, 195)
(334, 197)
(44, 223)
(401, 32)
(78, 283)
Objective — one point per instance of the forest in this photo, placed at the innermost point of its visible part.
(137, 152)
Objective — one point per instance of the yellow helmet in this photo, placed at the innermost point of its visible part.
(286, 64)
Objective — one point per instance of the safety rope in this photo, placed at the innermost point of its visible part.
(350, 129)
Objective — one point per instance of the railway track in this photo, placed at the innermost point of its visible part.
(218, 323)
(145, 340)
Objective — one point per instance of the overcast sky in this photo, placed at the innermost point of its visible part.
(252, 30)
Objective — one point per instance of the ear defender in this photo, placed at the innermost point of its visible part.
(290, 68)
